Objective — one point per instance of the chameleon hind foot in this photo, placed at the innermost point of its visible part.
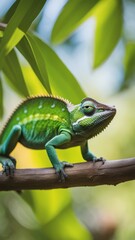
(60, 170)
(100, 159)
(8, 164)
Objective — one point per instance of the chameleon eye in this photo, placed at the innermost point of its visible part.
(88, 107)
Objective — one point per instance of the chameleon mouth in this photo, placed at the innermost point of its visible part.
(104, 116)
(102, 121)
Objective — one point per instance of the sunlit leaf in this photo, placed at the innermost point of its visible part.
(108, 29)
(63, 83)
(72, 15)
(56, 199)
(67, 226)
(12, 70)
(19, 23)
(31, 51)
(1, 99)
(34, 86)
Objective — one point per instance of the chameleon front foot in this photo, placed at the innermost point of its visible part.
(60, 170)
(8, 164)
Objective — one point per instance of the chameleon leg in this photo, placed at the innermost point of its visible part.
(88, 156)
(8, 162)
(50, 148)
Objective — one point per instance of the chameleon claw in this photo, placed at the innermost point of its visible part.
(5, 169)
(13, 161)
(8, 170)
(8, 165)
(66, 164)
(60, 170)
(62, 175)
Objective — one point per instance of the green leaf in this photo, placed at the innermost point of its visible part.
(13, 71)
(108, 29)
(30, 50)
(1, 99)
(57, 215)
(129, 65)
(63, 83)
(33, 84)
(66, 224)
(19, 23)
(11, 11)
(72, 15)
(51, 198)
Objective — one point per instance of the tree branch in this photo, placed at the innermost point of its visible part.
(111, 172)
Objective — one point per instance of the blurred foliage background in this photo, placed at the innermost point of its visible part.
(70, 48)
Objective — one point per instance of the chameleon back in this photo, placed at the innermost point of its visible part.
(40, 118)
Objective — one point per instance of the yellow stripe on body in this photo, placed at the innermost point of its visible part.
(38, 116)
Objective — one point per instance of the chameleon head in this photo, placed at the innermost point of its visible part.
(90, 117)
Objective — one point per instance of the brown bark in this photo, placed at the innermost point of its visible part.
(112, 172)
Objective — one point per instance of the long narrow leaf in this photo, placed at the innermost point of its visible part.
(12, 70)
(72, 15)
(61, 79)
(11, 11)
(30, 50)
(108, 29)
(19, 23)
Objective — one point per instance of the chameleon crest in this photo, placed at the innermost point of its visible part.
(47, 122)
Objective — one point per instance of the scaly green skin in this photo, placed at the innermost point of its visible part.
(47, 122)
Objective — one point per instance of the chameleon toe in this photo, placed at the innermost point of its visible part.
(8, 166)
(100, 159)
(60, 171)
(66, 164)
(62, 175)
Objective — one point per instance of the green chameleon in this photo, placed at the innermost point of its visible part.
(47, 122)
